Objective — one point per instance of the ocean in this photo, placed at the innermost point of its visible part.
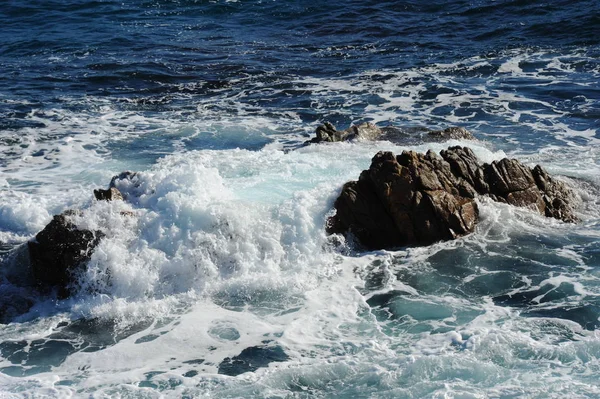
(216, 278)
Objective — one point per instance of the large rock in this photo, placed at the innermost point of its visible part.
(418, 199)
(59, 251)
(410, 199)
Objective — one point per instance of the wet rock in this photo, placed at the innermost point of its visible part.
(401, 135)
(59, 251)
(328, 133)
(414, 197)
(112, 194)
(451, 133)
(14, 301)
(418, 199)
(557, 197)
(127, 183)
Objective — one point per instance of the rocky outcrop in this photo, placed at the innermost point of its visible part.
(59, 251)
(418, 199)
(369, 131)
(410, 199)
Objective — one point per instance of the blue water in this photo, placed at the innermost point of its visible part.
(223, 284)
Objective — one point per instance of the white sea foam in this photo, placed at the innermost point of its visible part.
(219, 262)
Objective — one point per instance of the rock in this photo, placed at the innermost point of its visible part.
(126, 183)
(411, 199)
(364, 131)
(328, 133)
(451, 133)
(369, 131)
(557, 197)
(127, 176)
(112, 194)
(418, 199)
(59, 251)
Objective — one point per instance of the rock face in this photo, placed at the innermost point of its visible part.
(59, 250)
(418, 199)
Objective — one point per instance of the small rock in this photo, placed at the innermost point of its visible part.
(127, 175)
(112, 194)
(451, 133)
(60, 250)
(328, 133)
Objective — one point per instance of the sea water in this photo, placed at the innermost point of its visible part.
(216, 277)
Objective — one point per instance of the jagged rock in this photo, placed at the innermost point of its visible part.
(558, 199)
(414, 197)
(59, 250)
(328, 133)
(112, 194)
(418, 199)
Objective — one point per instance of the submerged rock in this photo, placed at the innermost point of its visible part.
(251, 359)
(60, 250)
(418, 199)
(125, 176)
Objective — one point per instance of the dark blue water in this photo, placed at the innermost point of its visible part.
(223, 283)
(159, 56)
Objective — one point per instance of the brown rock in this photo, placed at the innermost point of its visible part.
(557, 197)
(112, 194)
(415, 192)
(418, 199)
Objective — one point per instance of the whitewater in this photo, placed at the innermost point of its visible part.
(216, 277)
